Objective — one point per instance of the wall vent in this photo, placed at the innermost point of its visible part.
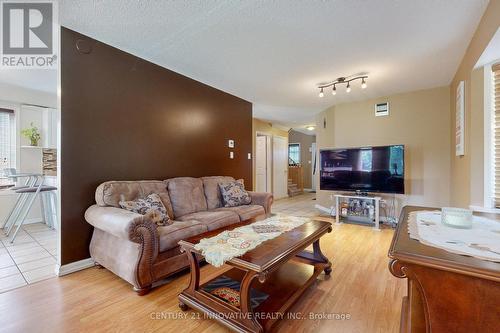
(382, 109)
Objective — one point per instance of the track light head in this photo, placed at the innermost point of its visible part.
(363, 84)
(342, 80)
(321, 94)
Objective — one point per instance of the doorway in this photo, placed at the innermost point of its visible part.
(263, 163)
(280, 167)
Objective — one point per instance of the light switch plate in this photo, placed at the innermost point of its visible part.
(231, 155)
(230, 143)
(249, 156)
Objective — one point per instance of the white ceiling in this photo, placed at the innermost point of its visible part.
(273, 53)
(44, 80)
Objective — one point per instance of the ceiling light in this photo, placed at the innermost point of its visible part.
(363, 84)
(342, 80)
(310, 128)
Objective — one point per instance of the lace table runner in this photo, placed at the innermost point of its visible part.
(229, 244)
(482, 241)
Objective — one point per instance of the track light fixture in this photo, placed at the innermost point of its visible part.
(342, 80)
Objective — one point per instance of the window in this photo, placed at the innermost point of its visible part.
(294, 153)
(7, 139)
(495, 134)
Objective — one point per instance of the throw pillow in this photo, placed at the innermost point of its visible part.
(150, 206)
(234, 194)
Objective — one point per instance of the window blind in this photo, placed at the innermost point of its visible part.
(496, 133)
(7, 146)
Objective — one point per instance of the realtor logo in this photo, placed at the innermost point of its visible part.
(28, 34)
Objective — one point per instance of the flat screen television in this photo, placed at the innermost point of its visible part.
(367, 169)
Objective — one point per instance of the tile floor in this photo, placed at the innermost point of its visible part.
(30, 259)
(300, 205)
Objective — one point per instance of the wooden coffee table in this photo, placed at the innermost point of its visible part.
(279, 268)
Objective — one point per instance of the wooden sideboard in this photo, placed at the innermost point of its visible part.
(447, 292)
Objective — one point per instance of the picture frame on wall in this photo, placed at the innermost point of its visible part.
(460, 120)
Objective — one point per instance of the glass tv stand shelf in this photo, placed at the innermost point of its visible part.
(359, 208)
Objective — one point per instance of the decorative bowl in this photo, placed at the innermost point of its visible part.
(456, 217)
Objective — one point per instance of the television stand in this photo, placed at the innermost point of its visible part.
(361, 212)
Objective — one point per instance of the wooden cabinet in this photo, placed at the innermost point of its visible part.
(447, 292)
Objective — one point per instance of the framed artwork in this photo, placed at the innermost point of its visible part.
(460, 120)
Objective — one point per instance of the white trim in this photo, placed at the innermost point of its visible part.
(269, 158)
(285, 166)
(324, 209)
(484, 209)
(74, 267)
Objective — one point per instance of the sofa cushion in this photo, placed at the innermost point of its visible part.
(213, 219)
(170, 235)
(212, 191)
(186, 195)
(234, 194)
(245, 212)
(150, 206)
(111, 192)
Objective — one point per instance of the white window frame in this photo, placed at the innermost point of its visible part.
(14, 132)
(489, 153)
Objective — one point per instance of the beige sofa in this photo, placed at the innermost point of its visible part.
(139, 251)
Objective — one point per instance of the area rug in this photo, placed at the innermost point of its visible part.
(228, 290)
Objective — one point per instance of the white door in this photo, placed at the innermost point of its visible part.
(314, 165)
(261, 164)
(280, 167)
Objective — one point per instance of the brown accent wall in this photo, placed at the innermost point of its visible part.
(306, 142)
(125, 118)
(465, 188)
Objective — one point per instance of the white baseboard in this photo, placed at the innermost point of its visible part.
(74, 267)
(323, 209)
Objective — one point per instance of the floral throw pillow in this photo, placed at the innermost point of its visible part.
(150, 206)
(234, 194)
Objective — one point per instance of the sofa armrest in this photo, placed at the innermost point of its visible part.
(262, 198)
(122, 223)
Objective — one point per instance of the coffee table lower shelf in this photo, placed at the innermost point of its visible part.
(283, 286)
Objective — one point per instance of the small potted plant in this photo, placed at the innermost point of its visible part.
(32, 134)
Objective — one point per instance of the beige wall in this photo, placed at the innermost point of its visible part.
(420, 120)
(305, 154)
(263, 127)
(464, 172)
(476, 138)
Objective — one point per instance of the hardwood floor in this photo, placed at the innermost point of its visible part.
(95, 300)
